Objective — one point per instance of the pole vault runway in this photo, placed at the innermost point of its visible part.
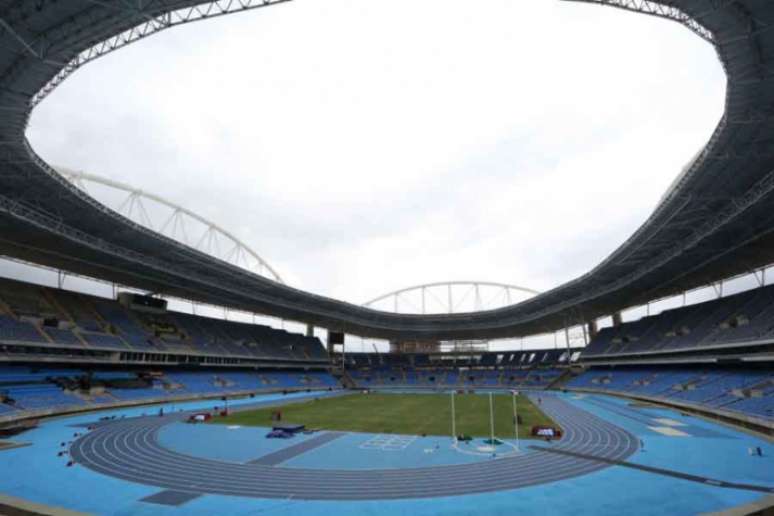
(129, 449)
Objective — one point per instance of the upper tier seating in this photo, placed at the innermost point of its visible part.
(24, 299)
(743, 317)
(55, 318)
(12, 330)
(78, 309)
(63, 337)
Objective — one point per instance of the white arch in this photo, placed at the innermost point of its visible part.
(211, 235)
(446, 299)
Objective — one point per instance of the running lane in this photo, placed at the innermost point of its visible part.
(129, 449)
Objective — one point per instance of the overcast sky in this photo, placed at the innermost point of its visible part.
(362, 147)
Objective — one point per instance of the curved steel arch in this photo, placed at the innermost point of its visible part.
(148, 25)
(450, 307)
(238, 254)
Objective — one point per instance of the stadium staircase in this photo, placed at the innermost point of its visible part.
(560, 380)
(343, 378)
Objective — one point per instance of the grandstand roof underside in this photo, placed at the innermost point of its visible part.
(716, 221)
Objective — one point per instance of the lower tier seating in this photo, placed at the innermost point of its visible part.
(24, 389)
(745, 391)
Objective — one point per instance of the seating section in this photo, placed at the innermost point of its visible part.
(24, 389)
(120, 322)
(40, 396)
(104, 340)
(230, 338)
(502, 359)
(741, 318)
(54, 318)
(12, 330)
(535, 369)
(62, 337)
(24, 299)
(453, 378)
(32, 389)
(744, 391)
(78, 309)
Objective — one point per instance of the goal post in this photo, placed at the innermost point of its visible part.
(515, 417)
(453, 419)
(491, 420)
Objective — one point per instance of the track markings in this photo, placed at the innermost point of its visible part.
(388, 442)
(129, 449)
(170, 497)
(285, 454)
(661, 471)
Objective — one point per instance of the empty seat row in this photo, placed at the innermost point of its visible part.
(746, 391)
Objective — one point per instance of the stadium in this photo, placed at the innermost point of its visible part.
(170, 393)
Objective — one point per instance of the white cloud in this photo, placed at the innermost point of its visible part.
(366, 146)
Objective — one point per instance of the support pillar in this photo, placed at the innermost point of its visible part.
(592, 329)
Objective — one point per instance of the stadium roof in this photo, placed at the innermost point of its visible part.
(716, 221)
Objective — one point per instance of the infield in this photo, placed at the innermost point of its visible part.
(413, 414)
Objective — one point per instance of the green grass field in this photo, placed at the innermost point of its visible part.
(401, 414)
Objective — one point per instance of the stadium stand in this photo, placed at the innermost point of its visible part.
(19, 331)
(490, 370)
(749, 392)
(27, 390)
(515, 359)
(62, 336)
(55, 318)
(41, 323)
(741, 319)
